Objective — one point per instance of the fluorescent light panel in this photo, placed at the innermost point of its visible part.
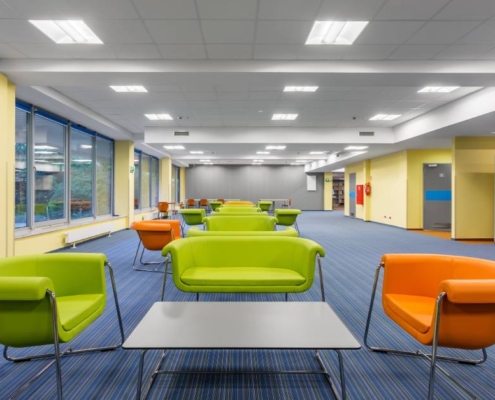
(205, 161)
(275, 147)
(302, 161)
(262, 152)
(158, 117)
(258, 161)
(384, 117)
(335, 32)
(284, 117)
(45, 147)
(67, 31)
(300, 88)
(356, 147)
(129, 89)
(438, 89)
(316, 152)
(174, 147)
(196, 152)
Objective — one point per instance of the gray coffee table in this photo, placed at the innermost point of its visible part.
(241, 326)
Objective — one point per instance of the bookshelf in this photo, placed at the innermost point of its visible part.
(338, 194)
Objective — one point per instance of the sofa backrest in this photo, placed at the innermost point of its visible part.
(241, 223)
(194, 232)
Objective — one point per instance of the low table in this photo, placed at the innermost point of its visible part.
(241, 326)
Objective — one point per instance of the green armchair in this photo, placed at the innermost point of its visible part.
(191, 217)
(287, 217)
(50, 299)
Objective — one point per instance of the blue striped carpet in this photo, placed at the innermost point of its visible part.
(353, 251)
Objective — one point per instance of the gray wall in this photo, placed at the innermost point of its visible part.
(251, 182)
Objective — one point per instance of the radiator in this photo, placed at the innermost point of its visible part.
(82, 234)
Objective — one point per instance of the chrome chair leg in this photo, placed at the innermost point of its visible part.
(322, 287)
(157, 263)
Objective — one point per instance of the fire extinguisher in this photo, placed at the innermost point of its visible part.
(367, 189)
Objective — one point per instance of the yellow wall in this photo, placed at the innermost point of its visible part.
(360, 170)
(7, 168)
(388, 177)
(415, 161)
(124, 180)
(473, 164)
(165, 180)
(182, 184)
(328, 191)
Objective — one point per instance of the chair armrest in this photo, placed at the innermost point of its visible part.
(469, 291)
(24, 288)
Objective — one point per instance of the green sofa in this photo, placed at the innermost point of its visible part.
(243, 264)
(238, 210)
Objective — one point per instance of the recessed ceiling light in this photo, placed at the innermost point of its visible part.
(300, 88)
(45, 147)
(438, 89)
(258, 161)
(208, 163)
(174, 147)
(316, 152)
(356, 147)
(339, 170)
(301, 161)
(157, 117)
(335, 32)
(44, 152)
(204, 160)
(67, 31)
(255, 163)
(284, 117)
(294, 163)
(275, 147)
(384, 117)
(196, 152)
(86, 146)
(131, 89)
(262, 152)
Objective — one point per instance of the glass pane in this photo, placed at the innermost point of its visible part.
(81, 175)
(21, 123)
(104, 174)
(137, 181)
(145, 181)
(155, 182)
(49, 164)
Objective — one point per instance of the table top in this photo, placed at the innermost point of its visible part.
(241, 325)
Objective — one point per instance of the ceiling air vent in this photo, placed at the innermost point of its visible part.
(181, 133)
(366, 133)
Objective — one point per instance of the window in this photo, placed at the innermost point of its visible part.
(104, 175)
(81, 174)
(137, 180)
(175, 184)
(62, 172)
(21, 158)
(155, 174)
(49, 168)
(145, 180)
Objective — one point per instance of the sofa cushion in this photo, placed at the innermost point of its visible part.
(75, 309)
(241, 276)
(416, 311)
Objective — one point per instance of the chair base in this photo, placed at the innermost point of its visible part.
(136, 268)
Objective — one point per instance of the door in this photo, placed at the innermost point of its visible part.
(352, 195)
(437, 197)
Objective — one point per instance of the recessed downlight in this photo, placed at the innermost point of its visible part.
(67, 31)
(174, 147)
(438, 89)
(356, 147)
(129, 89)
(284, 117)
(384, 117)
(300, 88)
(335, 32)
(158, 117)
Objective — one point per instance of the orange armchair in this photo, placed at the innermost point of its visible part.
(441, 301)
(154, 235)
(163, 207)
(190, 203)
